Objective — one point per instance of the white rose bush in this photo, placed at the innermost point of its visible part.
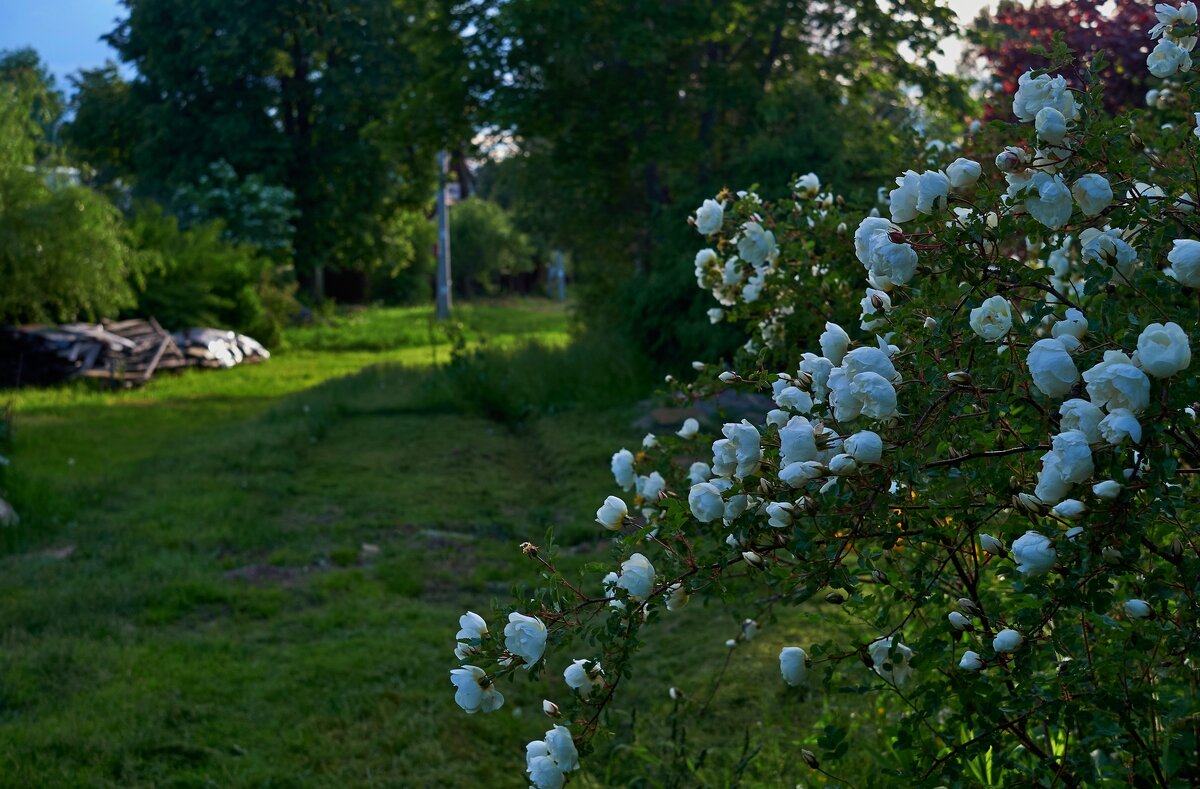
(985, 469)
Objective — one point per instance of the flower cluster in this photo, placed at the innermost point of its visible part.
(991, 474)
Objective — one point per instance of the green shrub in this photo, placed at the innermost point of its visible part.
(484, 245)
(63, 251)
(200, 279)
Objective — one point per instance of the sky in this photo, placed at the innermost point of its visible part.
(67, 32)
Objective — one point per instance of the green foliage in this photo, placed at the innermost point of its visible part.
(405, 274)
(24, 69)
(104, 127)
(199, 278)
(64, 254)
(252, 211)
(485, 246)
(287, 93)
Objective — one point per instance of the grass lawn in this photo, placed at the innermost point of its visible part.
(253, 577)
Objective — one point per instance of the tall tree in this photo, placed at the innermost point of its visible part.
(24, 69)
(289, 91)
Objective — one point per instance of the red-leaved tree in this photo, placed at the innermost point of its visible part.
(1004, 40)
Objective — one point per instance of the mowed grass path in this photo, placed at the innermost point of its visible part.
(253, 577)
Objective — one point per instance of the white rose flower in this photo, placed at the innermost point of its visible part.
(724, 457)
(779, 514)
(777, 417)
(1167, 59)
(868, 359)
(1051, 367)
(1075, 454)
(1034, 554)
(992, 320)
(1034, 93)
(735, 507)
(1048, 200)
(1050, 125)
(1073, 325)
(888, 263)
(583, 676)
(817, 368)
(525, 637)
(1052, 485)
(795, 399)
(894, 669)
(808, 185)
(1011, 159)
(744, 444)
(793, 665)
(649, 441)
(543, 772)
(842, 465)
(963, 173)
(1184, 258)
(1108, 489)
(1108, 247)
(876, 302)
(612, 513)
(876, 393)
(1116, 383)
(1007, 640)
(637, 577)
(472, 630)
(834, 342)
(475, 691)
(699, 472)
(1163, 350)
(798, 474)
(1083, 416)
(970, 661)
(933, 192)
(902, 201)
(689, 429)
(709, 217)
(622, 469)
(756, 245)
(1069, 509)
(797, 441)
(676, 597)
(562, 749)
(1093, 192)
(715, 315)
(649, 487)
(706, 502)
(864, 446)
(1120, 426)
(1137, 609)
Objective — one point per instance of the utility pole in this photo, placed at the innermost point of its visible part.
(443, 245)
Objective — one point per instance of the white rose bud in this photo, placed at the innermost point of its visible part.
(1138, 609)
(992, 545)
(689, 429)
(551, 709)
(960, 621)
(1069, 509)
(637, 577)
(793, 665)
(970, 661)
(1050, 365)
(1034, 554)
(1007, 640)
(728, 377)
(1050, 125)
(1108, 489)
(612, 513)
(963, 173)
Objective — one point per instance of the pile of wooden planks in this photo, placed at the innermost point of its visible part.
(124, 353)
